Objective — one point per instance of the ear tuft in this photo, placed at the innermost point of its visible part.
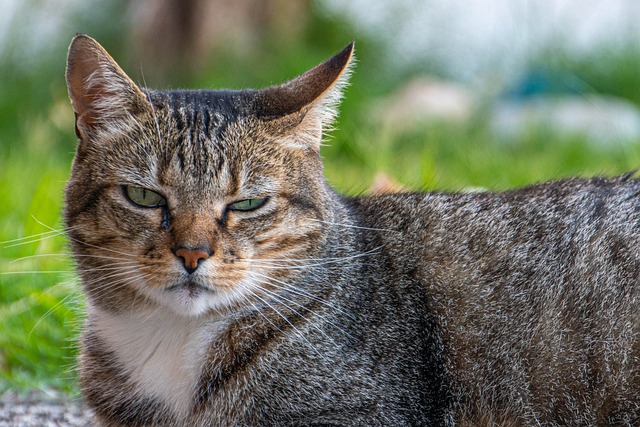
(314, 96)
(99, 90)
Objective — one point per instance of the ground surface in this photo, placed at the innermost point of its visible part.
(41, 410)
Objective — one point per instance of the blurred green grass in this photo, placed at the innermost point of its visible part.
(40, 302)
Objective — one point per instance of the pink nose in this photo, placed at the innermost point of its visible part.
(191, 257)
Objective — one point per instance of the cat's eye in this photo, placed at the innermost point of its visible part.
(247, 204)
(143, 197)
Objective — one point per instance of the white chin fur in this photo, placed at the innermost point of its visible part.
(185, 302)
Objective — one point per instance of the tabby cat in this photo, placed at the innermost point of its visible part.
(228, 285)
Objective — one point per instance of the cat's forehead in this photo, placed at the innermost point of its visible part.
(190, 107)
(207, 139)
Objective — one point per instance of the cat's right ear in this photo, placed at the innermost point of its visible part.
(306, 106)
(101, 93)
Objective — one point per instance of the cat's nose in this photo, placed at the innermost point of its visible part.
(192, 258)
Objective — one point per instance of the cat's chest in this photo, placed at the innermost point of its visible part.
(162, 353)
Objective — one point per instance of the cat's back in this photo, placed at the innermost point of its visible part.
(553, 223)
(536, 292)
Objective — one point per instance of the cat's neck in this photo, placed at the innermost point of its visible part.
(162, 352)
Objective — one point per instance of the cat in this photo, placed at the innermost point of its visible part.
(228, 285)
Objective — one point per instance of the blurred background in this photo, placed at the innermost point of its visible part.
(446, 95)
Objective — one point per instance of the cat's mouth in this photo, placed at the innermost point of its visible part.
(196, 294)
(191, 286)
(188, 296)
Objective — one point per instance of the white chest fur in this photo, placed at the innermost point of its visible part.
(163, 352)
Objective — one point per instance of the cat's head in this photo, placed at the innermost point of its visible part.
(195, 200)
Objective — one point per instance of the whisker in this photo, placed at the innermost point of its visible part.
(109, 268)
(28, 239)
(34, 238)
(7, 273)
(281, 297)
(114, 269)
(298, 332)
(354, 226)
(91, 245)
(115, 273)
(69, 255)
(114, 285)
(31, 236)
(29, 257)
(303, 293)
(26, 301)
(323, 261)
(117, 267)
(49, 311)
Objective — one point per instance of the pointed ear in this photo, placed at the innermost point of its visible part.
(307, 105)
(100, 91)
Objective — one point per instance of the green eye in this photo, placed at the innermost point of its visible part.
(247, 204)
(143, 197)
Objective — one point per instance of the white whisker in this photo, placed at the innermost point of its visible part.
(8, 273)
(303, 293)
(280, 298)
(354, 226)
(266, 263)
(93, 246)
(29, 257)
(67, 256)
(34, 238)
(49, 311)
(298, 332)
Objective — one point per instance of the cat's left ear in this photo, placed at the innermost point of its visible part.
(307, 106)
(100, 92)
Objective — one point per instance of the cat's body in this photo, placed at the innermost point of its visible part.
(227, 284)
